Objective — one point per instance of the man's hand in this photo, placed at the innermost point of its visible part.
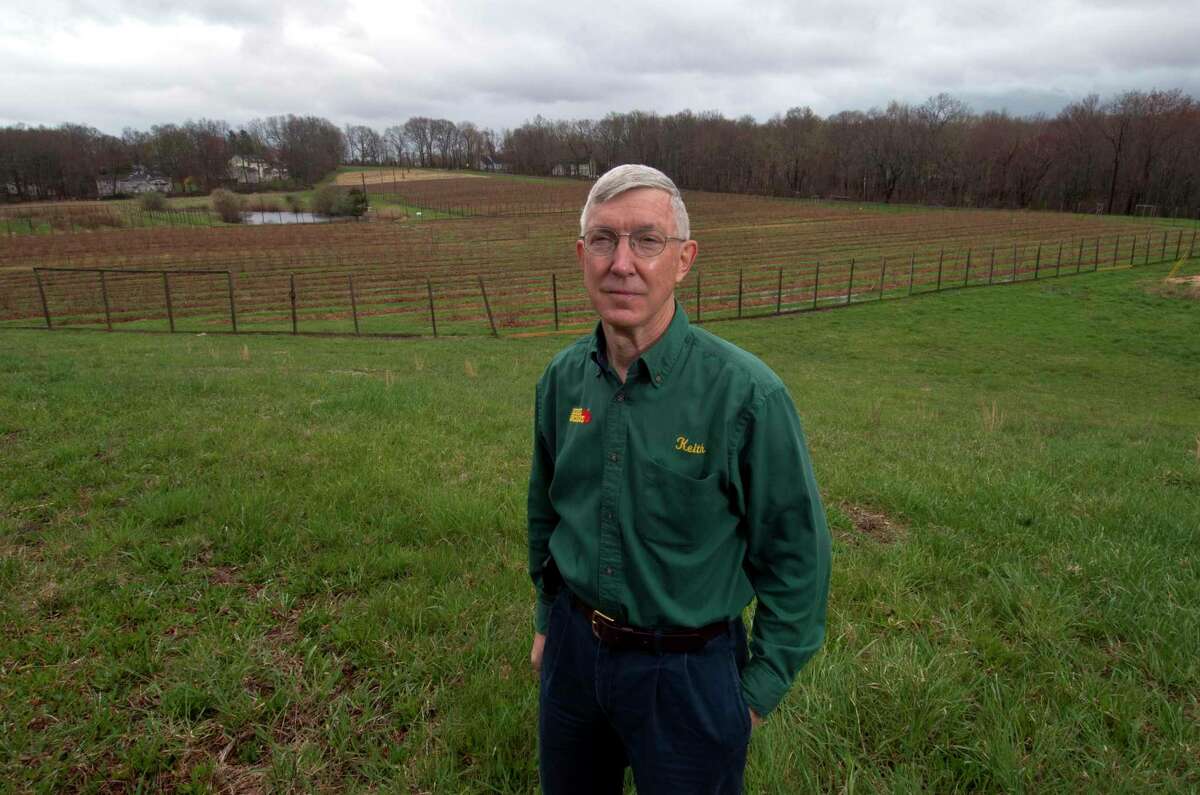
(535, 654)
(755, 720)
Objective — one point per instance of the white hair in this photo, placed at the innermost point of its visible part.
(624, 178)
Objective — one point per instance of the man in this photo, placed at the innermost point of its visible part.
(670, 485)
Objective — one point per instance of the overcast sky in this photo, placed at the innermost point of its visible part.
(118, 63)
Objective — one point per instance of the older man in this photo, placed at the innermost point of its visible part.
(670, 486)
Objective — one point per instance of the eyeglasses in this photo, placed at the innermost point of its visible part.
(643, 243)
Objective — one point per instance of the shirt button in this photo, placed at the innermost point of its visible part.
(658, 378)
(620, 397)
(613, 457)
(608, 570)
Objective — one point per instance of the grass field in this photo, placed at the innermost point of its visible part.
(276, 564)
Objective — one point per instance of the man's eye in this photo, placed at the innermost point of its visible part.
(603, 239)
(649, 238)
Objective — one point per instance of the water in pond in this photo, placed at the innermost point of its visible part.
(283, 217)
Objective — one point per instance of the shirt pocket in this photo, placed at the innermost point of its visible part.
(678, 510)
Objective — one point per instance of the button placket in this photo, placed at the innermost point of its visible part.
(609, 563)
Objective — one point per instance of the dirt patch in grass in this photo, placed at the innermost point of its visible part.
(873, 524)
(1180, 287)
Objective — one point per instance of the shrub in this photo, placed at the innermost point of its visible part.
(353, 203)
(152, 202)
(325, 200)
(294, 204)
(227, 205)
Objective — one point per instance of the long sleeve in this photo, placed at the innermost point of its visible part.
(542, 517)
(788, 549)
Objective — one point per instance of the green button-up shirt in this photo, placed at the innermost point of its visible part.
(674, 498)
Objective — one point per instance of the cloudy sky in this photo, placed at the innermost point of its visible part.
(118, 63)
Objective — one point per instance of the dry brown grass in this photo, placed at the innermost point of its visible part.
(387, 176)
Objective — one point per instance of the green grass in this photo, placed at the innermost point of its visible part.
(299, 563)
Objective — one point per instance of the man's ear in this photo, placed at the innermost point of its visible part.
(687, 256)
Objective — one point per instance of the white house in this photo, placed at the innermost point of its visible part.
(252, 170)
(137, 181)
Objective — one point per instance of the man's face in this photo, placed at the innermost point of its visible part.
(631, 292)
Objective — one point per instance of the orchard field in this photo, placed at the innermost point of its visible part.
(481, 254)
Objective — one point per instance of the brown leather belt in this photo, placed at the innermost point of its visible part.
(621, 636)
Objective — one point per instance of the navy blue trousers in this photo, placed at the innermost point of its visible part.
(678, 719)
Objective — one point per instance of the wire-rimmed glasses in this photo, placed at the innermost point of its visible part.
(644, 242)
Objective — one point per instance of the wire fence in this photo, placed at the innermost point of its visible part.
(380, 302)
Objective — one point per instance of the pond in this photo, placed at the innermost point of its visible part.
(283, 217)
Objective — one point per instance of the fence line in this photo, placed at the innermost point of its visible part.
(387, 303)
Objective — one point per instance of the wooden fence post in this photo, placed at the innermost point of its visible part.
(850, 281)
(353, 302)
(104, 295)
(554, 294)
(167, 299)
(292, 299)
(37, 275)
(487, 305)
(232, 305)
(779, 292)
(432, 316)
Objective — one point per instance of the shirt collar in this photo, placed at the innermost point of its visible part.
(657, 361)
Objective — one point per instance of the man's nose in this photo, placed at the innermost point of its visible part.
(622, 257)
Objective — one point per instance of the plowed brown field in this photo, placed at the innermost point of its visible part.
(757, 255)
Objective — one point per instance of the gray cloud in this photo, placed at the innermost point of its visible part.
(137, 62)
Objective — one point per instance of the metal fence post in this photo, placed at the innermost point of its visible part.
(353, 301)
(912, 264)
(1037, 263)
(850, 281)
(1014, 264)
(1146, 256)
(1079, 256)
(432, 316)
(232, 305)
(1096, 257)
(816, 284)
(992, 265)
(741, 276)
(1178, 243)
(882, 275)
(37, 275)
(487, 305)
(292, 300)
(1133, 251)
(941, 257)
(1162, 254)
(1058, 260)
(967, 268)
(167, 298)
(554, 295)
(779, 292)
(104, 295)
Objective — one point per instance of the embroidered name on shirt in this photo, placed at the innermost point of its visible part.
(695, 448)
(581, 416)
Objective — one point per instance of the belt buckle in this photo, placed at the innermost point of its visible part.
(608, 621)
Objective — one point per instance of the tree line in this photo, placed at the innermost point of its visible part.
(1118, 156)
(1138, 148)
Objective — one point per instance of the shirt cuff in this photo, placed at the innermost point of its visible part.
(541, 615)
(762, 689)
